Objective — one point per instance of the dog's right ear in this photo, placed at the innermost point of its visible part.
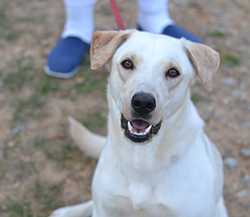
(104, 45)
(205, 60)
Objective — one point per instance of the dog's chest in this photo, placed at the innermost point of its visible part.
(168, 199)
(138, 200)
(118, 198)
(186, 189)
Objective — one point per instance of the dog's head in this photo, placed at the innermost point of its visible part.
(150, 76)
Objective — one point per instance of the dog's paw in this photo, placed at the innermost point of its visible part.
(62, 212)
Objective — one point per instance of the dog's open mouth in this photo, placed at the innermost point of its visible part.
(139, 130)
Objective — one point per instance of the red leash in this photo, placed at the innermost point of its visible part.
(117, 15)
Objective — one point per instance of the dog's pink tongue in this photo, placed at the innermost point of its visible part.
(140, 124)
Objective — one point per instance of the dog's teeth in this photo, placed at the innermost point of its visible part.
(135, 132)
(130, 128)
(148, 129)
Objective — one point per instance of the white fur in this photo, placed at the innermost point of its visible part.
(178, 173)
(87, 141)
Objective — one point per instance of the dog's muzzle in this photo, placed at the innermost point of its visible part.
(139, 130)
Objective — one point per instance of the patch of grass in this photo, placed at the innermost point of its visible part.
(41, 200)
(47, 196)
(21, 75)
(57, 150)
(28, 108)
(48, 85)
(196, 98)
(19, 208)
(24, 73)
(6, 32)
(231, 60)
(95, 121)
(217, 34)
(60, 152)
(3, 169)
(105, 10)
(91, 82)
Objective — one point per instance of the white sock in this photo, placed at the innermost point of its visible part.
(79, 19)
(153, 15)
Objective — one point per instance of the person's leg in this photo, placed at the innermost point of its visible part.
(153, 16)
(69, 51)
(79, 19)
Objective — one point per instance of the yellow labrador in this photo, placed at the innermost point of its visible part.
(156, 160)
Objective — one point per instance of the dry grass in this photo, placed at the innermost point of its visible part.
(40, 169)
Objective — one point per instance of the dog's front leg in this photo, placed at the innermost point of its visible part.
(80, 210)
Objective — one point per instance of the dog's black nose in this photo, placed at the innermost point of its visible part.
(143, 103)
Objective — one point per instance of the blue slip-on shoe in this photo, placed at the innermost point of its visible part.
(65, 58)
(177, 32)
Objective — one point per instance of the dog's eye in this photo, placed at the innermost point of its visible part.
(172, 73)
(128, 64)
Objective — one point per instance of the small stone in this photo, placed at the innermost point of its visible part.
(245, 152)
(245, 125)
(231, 163)
(246, 180)
(242, 194)
(11, 144)
(229, 82)
(17, 130)
(237, 94)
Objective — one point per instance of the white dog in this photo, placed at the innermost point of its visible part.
(156, 160)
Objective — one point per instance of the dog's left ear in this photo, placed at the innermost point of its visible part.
(205, 60)
(104, 45)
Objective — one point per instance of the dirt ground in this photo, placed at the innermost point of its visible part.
(40, 169)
